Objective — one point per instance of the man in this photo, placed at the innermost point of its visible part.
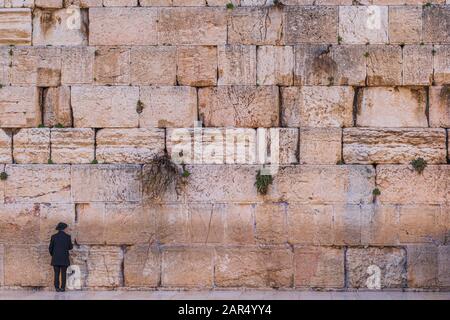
(60, 244)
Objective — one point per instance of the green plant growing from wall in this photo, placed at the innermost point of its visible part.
(50, 161)
(95, 161)
(339, 39)
(262, 182)
(3, 176)
(230, 6)
(59, 126)
(366, 54)
(419, 165)
(278, 3)
(139, 106)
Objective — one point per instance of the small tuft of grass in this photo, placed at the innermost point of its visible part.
(376, 192)
(185, 173)
(419, 165)
(366, 54)
(95, 161)
(340, 162)
(278, 3)
(262, 183)
(11, 52)
(41, 125)
(428, 4)
(50, 161)
(3, 176)
(339, 39)
(139, 107)
(59, 126)
(230, 6)
(330, 81)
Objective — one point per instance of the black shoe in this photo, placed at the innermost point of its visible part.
(62, 290)
(58, 290)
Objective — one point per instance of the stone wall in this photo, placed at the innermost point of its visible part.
(356, 89)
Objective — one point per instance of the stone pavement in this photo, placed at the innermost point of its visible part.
(220, 295)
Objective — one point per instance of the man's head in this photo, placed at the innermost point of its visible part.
(61, 226)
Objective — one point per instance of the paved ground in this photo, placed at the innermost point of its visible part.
(218, 295)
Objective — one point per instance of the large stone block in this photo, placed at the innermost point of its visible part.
(206, 223)
(379, 225)
(239, 223)
(366, 264)
(123, 26)
(56, 107)
(319, 267)
(320, 145)
(77, 65)
(19, 107)
(172, 221)
(104, 267)
(106, 183)
(112, 65)
(168, 107)
(421, 224)
(444, 266)
(5, 65)
(440, 106)
(417, 65)
(72, 145)
(391, 107)
(90, 223)
(15, 26)
(142, 266)
(275, 65)
(363, 24)
(5, 147)
(254, 267)
(99, 107)
(405, 24)
(192, 26)
(239, 106)
(32, 145)
(441, 64)
(317, 106)
(348, 223)
(271, 223)
(311, 24)
(38, 184)
(187, 268)
(151, 65)
(422, 266)
(50, 215)
(197, 66)
(49, 3)
(368, 145)
(83, 3)
(2, 265)
(384, 65)
(129, 145)
(436, 24)
(237, 65)
(19, 223)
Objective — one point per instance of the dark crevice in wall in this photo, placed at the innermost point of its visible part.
(122, 265)
(356, 98)
(95, 143)
(346, 280)
(42, 93)
(427, 104)
(280, 101)
(12, 145)
(446, 146)
(70, 108)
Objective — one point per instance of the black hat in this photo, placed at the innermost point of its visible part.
(61, 226)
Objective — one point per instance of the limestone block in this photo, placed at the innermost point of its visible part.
(19, 107)
(402, 185)
(391, 107)
(120, 3)
(168, 107)
(63, 27)
(123, 26)
(156, 3)
(77, 65)
(253, 267)
(100, 107)
(15, 27)
(271, 223)
(56, 107)
(421, 224)
(389, 260)
(2, 265)
(239, 222)
(129, 145)
(275, 65)
(394, 145)
(435, 24)
(282, 145)
(239, 106)
(237, 65)
(5, 147)
(380, 225)
(48, 3)
(72, 145)
(104, 266)
(440, 106)
(441, 64)
(37, 184)
(112, 65)
(50, 215)
(5, 65)
(330, 65)
(19, 223)
(348, 223)
(90, 224)
(153, 65)
(206, 223)
(319, 267)
(83, 3)
(187, 268)
(384, 65)
(417, 65)
(197, 66)
(107, 183)
(444, 269)
(32, 145)
(320, 145)
(311, 24)
(257, 26)
(317, 106)
(405, 24)
(422, 266)
(142, 266)
(192, 26)
(363, 24)
(172, 221)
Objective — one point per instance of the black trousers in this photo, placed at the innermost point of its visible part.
(60, 270)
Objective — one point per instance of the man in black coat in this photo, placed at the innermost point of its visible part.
(60, 244)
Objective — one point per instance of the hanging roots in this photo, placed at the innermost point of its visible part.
(159, 175)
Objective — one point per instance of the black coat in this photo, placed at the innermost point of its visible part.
(60, 244)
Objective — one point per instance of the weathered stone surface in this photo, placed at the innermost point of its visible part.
(444, 269)
(258, 26)
(83, 3)
(142, 266)
(129, 145)
(239, 221)
(439, 106)
(271, 223)
(192, 26)
(436, 24)
(239, 106)
(32, 145)
(77, 65)
(25, 183)
(421, 224)
(384, 65)
(422, 266)
(310, 24)
(15, 26)
(206, 223)
(107, 183)
(90, 224)
(63, 27)
(172, 221)
(394, 145)
(275, 65)
(50, 215)
(417, 65)
(19, 107)
(2, 265)
(391, 107)
(320, 145)
(120, 3)
(405, 24)
(150, 3)
(197, 66)
(319, 267)
(282, 145)
(441, 64)
(19, 223)
(48, 3)
(112, 65)
(99, 107)
(348, 219)
(5, 147)
(5, 65)
(104, 266)
(390, 261)
(56, 107)
(168, 107)
(254, 267)
(237, 65)
(123, 26)
(317, 106)
(72, 145)
(379, 225)
(153, 65)
(363, 24)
